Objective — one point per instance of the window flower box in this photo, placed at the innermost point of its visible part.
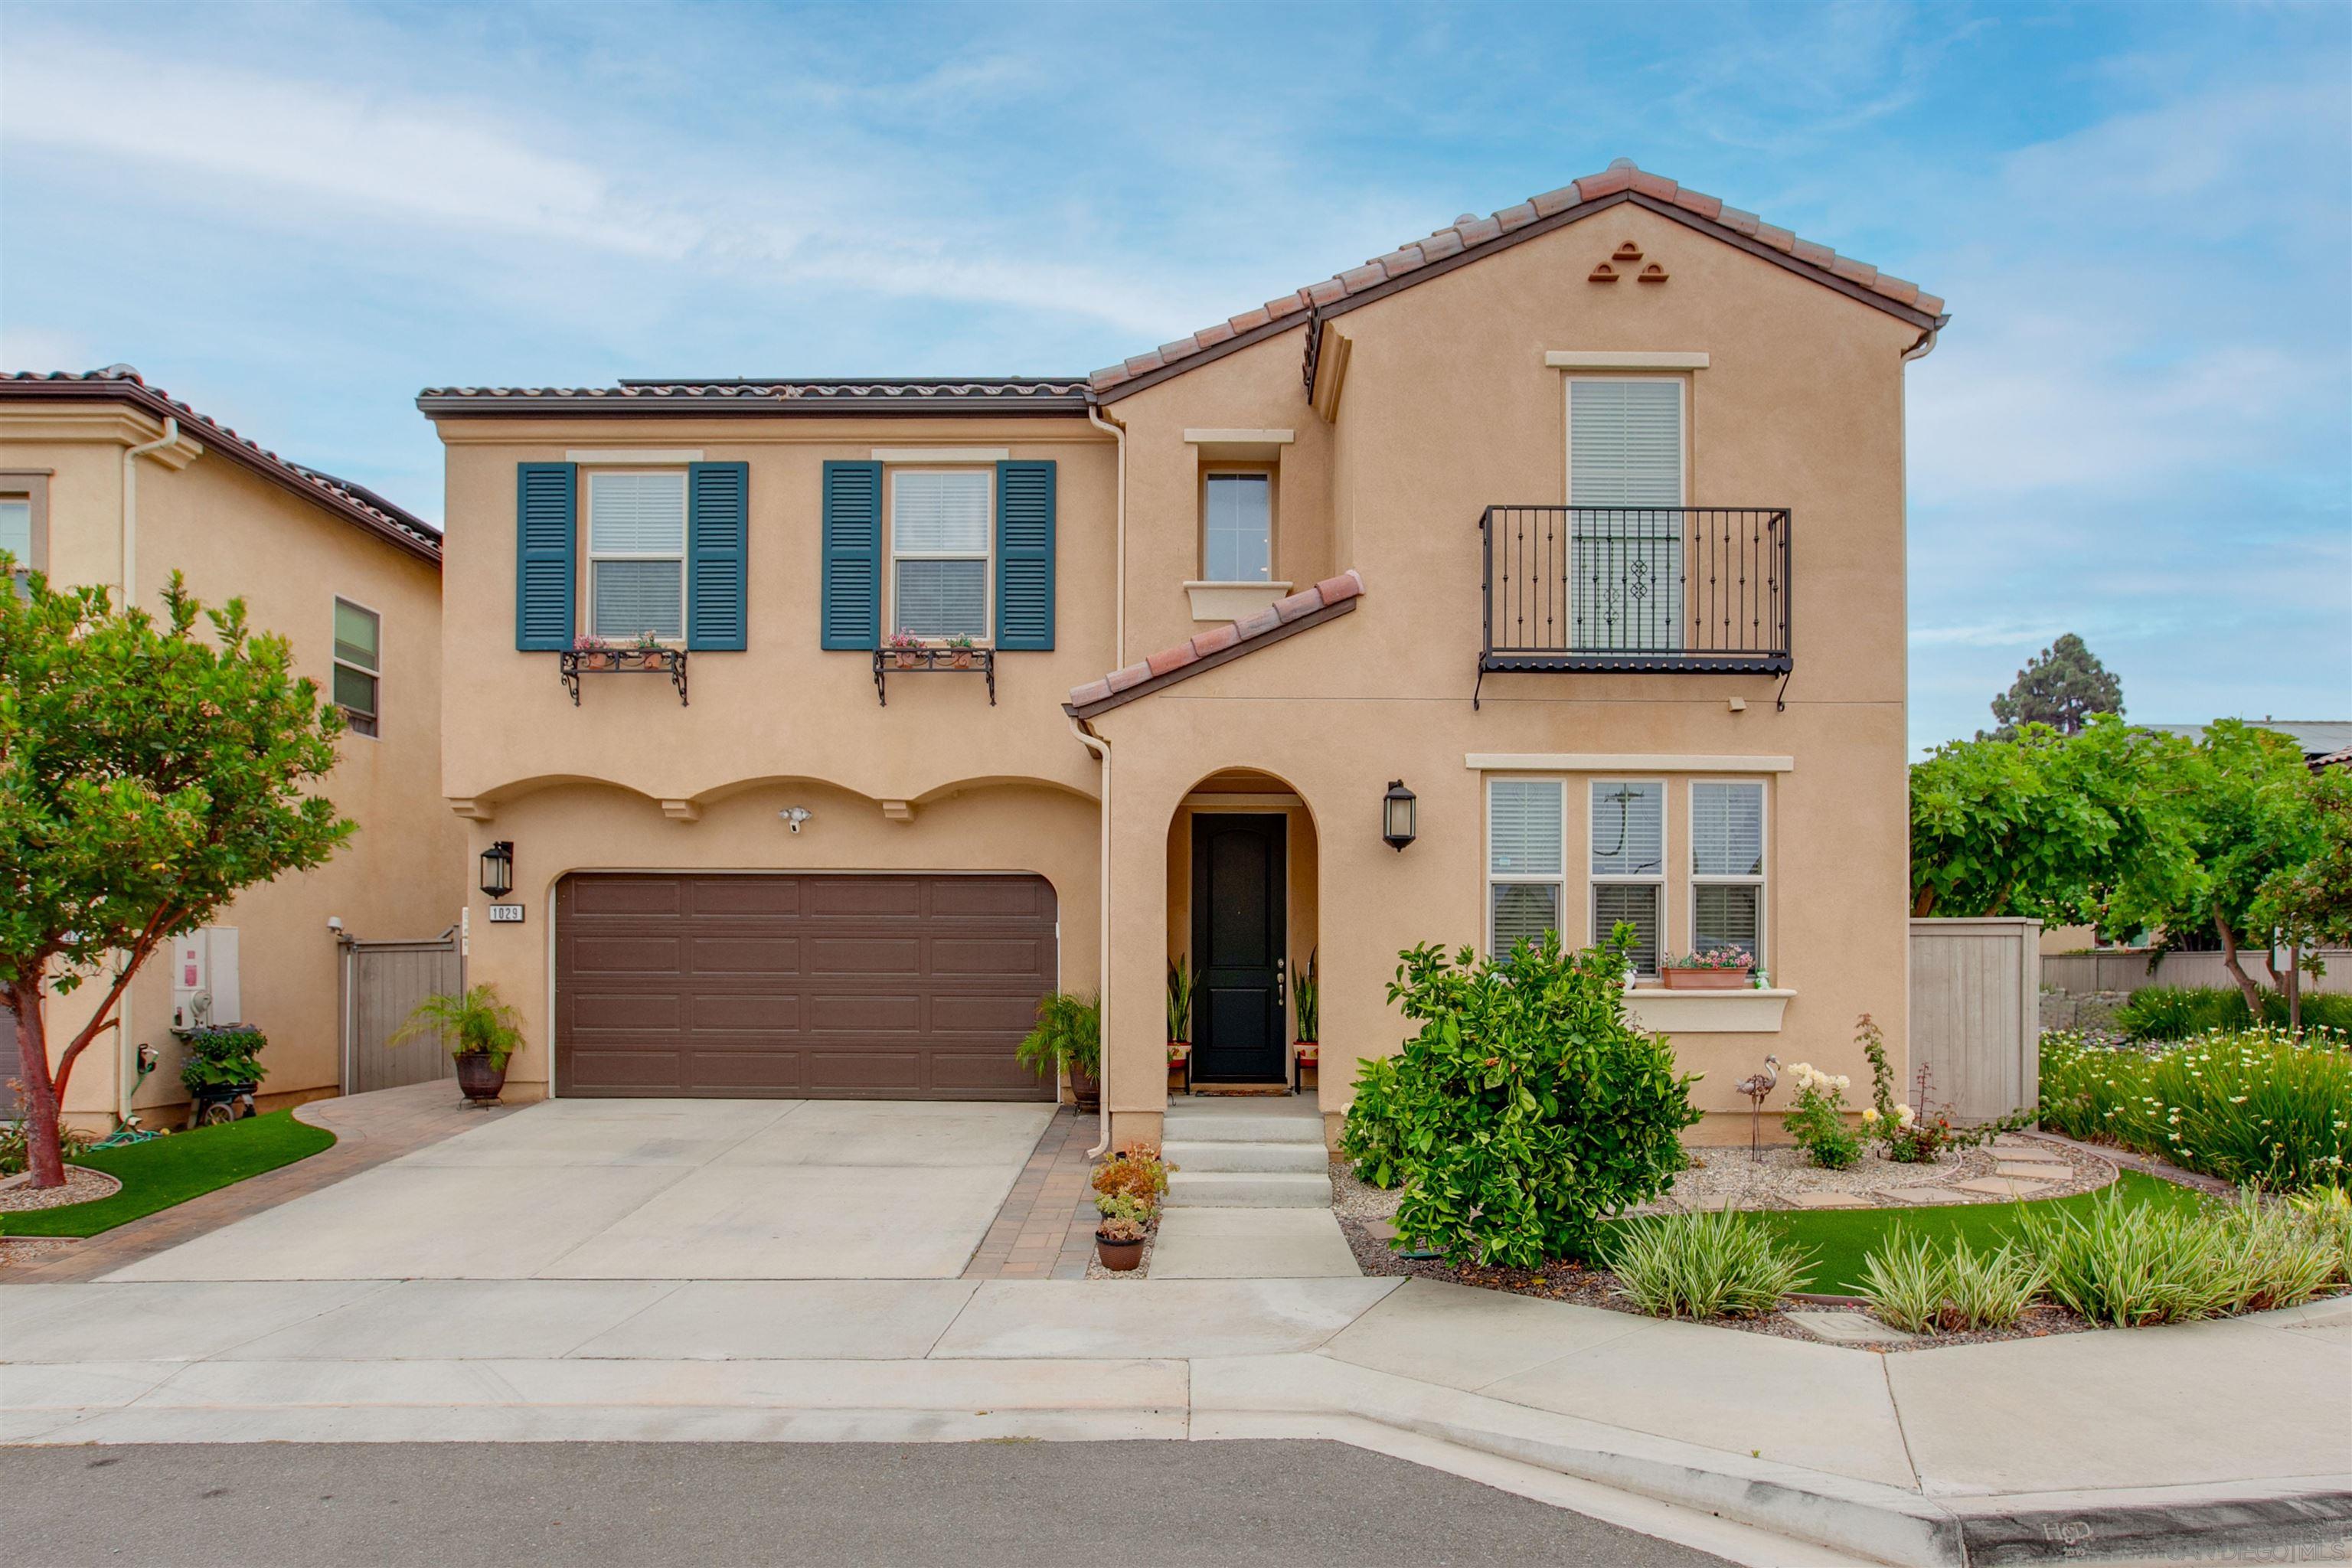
(1677, 979)
(589, 657)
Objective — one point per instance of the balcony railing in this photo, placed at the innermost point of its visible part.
(1666, 589)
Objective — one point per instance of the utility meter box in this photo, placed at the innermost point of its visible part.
(204, 978)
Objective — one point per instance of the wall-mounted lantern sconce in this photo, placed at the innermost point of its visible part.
(497, 869)
(1397, 815)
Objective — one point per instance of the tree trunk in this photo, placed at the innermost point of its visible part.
(43, 1158)
(2294, 988)
(2246, 986)
(1923, 904)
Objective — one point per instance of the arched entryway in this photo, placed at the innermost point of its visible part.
(1242, 917)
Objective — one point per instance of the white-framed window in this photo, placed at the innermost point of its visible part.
(942, 521)
(1525, 872)
(24, 525)
(1627, 475)
(1238, 525)
(359, 666)
(636, 554)
(1627, 871)
(1728, 867)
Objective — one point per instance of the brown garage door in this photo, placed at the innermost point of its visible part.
(832, 987)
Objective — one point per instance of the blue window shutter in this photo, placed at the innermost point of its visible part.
(853, 556)
(717, 541)
(546, 545)
(1025, 555)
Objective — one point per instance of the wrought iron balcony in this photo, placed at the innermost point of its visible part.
(1662, 590)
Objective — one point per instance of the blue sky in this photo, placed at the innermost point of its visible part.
(2138, 427)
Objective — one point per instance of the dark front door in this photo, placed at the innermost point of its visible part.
(1239, 888)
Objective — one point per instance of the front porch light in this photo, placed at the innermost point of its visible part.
(497, 869)
(1396, 815)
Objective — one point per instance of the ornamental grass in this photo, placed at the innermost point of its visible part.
(2255, 1106)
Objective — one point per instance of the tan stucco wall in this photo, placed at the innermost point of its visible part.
(1449, 407)
(231, 534)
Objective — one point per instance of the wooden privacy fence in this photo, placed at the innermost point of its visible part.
(1976, 1004)
(383, 981)
(2126, 969)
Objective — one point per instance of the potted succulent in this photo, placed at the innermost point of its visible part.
(905, 649)
(961, 649)
(1127, 1189)
(1306, 990)
(1717, 968)
(1119, 1239)
(482, 1032)
(1180, 1012)
(1069, 1037)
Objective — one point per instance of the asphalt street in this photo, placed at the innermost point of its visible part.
(676, 1505)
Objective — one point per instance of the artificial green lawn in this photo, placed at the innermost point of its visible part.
(1839, 1238)
(172, 1170)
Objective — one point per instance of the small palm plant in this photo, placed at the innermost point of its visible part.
(1068, 1034)
(473, 1022)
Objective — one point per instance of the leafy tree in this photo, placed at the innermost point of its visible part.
(2053, 828)
(147, 775)
(2063, 687)
(2312, 902)
(1527, 1110)
(2252, 825)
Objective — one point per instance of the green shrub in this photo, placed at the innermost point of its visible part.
(222, 1056)
(2254, 1106)
(1722, 1264)
(2330, 1211)
(2178, 1012)
(472, 1022)
(14, 1137)
(1068, 1034)
(1368, 1138)
(1816, 1120)
(1912, 1285)
(2128, 1264)
(1527, 1110)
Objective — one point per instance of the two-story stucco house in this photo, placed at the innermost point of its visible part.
(105, 480)
(1582, 523)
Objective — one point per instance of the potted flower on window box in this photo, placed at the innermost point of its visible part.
(594, 652)
(1069, 1037)
(649, 651)
(961, 649)
(1717, 968)
(1306, 1051)
(905, 649)
(1180, 1014)
(481, 1031)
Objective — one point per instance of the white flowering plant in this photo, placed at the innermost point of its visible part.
(1816, 1119)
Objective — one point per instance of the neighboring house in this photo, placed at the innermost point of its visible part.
(103, 480)
(2326, 742)
(1582, 523)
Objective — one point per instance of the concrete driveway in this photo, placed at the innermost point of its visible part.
(651, 1189)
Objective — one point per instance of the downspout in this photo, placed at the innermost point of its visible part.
(1119, 576)
(124, 1082)
(1101, 748)
(1927, 344)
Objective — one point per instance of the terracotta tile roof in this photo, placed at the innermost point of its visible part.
(778, 396)
(122, 383)
(1468, 233)
(1333, 595)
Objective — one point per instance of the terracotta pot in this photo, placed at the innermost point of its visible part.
(478, 1079)
(1119, 1256)
(1085, 1088)
(1709, 979)
(906, 659)
(648, 658)
(597, 661)
(961, 659)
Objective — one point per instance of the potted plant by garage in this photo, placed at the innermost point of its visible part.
(482, 1032)
(1069, 1037)
(1180, 1014)
(1306, 1051)
(1717, 968)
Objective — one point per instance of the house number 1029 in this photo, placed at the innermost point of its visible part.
(506, 914)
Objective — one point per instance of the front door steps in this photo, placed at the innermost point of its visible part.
(1246, 1154)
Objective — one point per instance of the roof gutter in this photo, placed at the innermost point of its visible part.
(1927, 344)
(1101, 750)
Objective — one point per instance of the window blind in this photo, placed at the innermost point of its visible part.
(355, 636)
(1239, 536)
(633, 596)
(1625, 450)
(939, 513)
(1625, 443)
(1628, 830)
(1523, 912)
(1523, 832)
(1725, 914)
(1635, 904)
(636, 514)
(941, 598)
(1727, 829)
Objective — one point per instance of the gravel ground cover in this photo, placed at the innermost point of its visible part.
(18, 1195)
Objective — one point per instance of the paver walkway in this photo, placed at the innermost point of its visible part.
(370, 1129)
(1046, 1227)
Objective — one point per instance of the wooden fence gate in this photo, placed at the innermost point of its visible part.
(382, 983)
(1975, 1014)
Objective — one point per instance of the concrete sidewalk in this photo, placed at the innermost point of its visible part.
(2234, 1434)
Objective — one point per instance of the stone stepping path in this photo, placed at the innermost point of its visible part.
(2034, 1171)
(1927, 1195)
(1848, 1327)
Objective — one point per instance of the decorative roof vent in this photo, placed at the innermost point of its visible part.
(1604, 273)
